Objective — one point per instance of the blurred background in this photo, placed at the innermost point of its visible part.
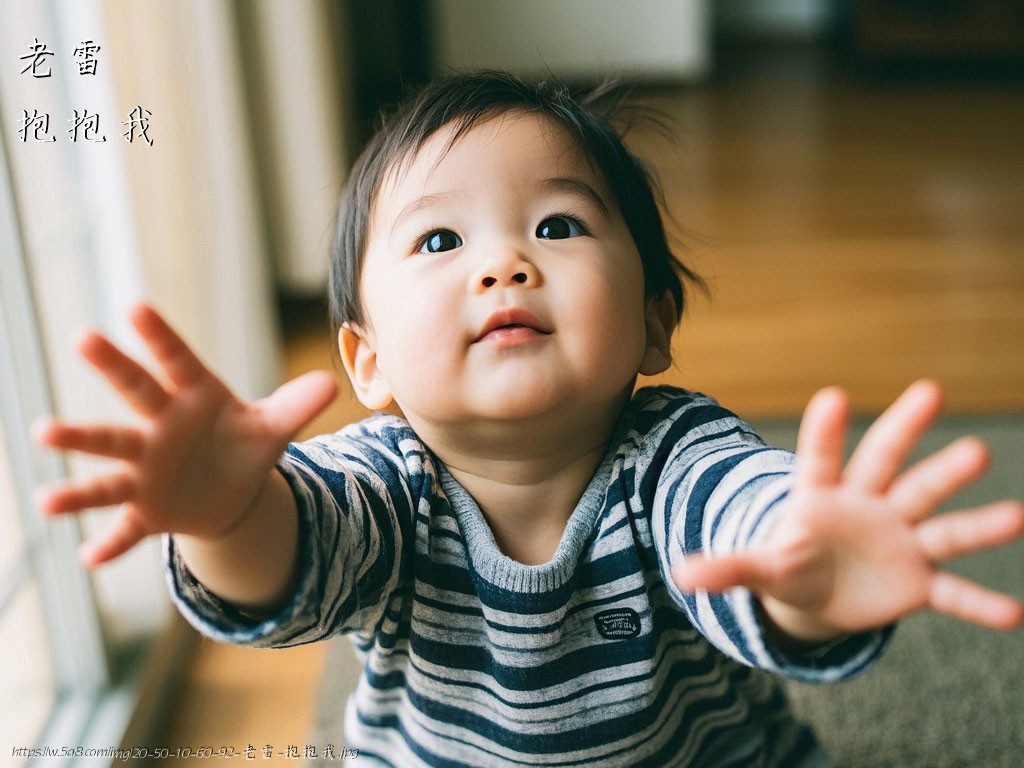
(848, 175)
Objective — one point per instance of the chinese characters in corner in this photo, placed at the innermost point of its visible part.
(85, 125)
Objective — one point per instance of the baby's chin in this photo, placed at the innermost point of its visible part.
(515, 411)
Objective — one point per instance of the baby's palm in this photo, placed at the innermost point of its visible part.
(856, 548)
(201, 456)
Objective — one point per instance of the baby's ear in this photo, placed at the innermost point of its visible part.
(660, 322)
(359, 356)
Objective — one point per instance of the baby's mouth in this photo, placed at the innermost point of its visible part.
(512, 323)
(511, 333)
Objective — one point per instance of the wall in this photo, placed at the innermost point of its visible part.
(577, 38)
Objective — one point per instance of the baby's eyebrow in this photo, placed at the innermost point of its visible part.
(419, 204)
(575, 186)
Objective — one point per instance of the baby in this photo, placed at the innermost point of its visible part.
(537, 564)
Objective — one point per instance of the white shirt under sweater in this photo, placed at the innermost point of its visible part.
(592, 659)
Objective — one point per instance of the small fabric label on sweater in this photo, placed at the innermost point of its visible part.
(618, 623)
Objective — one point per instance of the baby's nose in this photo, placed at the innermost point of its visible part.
(504, 274)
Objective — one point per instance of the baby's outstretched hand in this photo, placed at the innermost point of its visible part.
(200, 458)
(857, 548)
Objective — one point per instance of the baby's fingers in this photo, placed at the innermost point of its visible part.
(125, 534)
(822, 435)
(718, 574)
(177, 359)
(134, 383)
(962, 533)
(971, 602)
(105, 491)
(890, 439)
(113, 442)
(939, 477)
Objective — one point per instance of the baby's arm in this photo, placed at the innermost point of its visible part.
(200, 466)
(856, 548)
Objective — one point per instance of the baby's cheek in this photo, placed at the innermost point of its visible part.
(621, 323)
(420, 366)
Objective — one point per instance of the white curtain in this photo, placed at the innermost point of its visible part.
(300, 88)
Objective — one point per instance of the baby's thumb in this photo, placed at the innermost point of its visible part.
(297, 402)
(722, 573)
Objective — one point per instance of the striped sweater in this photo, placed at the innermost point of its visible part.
(592, 659)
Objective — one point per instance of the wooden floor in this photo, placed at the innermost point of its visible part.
(853, 231)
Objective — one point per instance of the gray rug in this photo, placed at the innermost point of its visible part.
(946, 695)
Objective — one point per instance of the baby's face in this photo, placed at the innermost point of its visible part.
(500, 281)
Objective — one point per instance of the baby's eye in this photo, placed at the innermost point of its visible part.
(440, 240)
(559, 228)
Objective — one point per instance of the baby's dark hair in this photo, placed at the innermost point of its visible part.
(464, 100)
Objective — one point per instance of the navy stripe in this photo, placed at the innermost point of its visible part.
(562, 739)
(681, 642)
